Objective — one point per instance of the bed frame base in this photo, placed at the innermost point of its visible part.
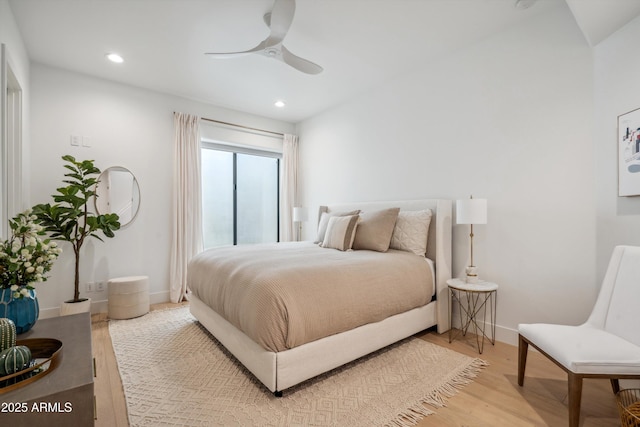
(281, 370)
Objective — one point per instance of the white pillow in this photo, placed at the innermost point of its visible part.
(411, 231)
(341, 231)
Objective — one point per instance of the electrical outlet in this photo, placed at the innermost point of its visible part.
(100, 286)
(89, 286)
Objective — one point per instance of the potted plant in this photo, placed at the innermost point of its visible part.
(69, 218)
(25, 258)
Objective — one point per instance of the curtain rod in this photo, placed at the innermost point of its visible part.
(242, 127)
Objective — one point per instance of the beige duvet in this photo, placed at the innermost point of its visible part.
(284, 295)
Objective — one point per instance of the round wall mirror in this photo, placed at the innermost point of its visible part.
(118, 192)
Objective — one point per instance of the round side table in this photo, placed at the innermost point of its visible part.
(472, 300)
(128, 297)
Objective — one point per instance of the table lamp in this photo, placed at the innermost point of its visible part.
(299, 216)
(471, 211)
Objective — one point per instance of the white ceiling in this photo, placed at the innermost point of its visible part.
(598, 19)
(360, 43)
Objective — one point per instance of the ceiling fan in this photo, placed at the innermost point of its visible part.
(278, 20)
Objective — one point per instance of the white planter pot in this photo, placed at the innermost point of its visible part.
(68, 308)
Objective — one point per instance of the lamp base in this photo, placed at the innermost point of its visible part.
(472, 274)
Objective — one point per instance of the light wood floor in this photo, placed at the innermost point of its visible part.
(493, 399)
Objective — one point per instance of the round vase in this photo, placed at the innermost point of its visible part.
(23, 311)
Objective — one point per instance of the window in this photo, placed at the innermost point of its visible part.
(239, 195)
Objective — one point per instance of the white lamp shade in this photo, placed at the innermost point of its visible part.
(471, 211)
(299, 214)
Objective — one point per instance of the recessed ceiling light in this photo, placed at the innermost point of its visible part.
(114, 57)
(524, 4)
(279, 104)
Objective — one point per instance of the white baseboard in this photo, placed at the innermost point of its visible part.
(46, 313)
(506, 335)
(102, 306)
(503, 334)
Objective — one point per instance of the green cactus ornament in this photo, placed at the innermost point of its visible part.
(14, 359)
(7, 333)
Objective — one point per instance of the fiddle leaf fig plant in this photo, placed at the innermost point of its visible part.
(69, 218)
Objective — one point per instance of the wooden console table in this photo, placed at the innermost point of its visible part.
(63, 397)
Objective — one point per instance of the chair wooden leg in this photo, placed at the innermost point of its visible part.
(575, 396)
(615, 385)
(523, 347)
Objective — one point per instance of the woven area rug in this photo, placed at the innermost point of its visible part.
(175, 373)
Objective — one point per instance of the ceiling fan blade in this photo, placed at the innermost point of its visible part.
(223, 55)
(298, 63)
(279, 20)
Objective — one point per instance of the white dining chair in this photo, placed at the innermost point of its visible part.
(607, 345)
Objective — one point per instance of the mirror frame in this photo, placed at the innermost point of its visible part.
(136, 190)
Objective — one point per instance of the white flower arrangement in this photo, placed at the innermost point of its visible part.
(25, 257)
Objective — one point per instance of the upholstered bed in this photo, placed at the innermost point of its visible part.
(323, 307)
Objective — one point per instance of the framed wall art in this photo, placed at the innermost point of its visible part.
(629, 153)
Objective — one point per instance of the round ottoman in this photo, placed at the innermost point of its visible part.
(128, 297)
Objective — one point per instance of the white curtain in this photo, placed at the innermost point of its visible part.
(288, 187)
(187, 202)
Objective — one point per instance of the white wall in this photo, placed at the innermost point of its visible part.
(128, 127)
(508, 119)
(617, 91)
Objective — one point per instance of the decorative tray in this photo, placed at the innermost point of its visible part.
(45, 353)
